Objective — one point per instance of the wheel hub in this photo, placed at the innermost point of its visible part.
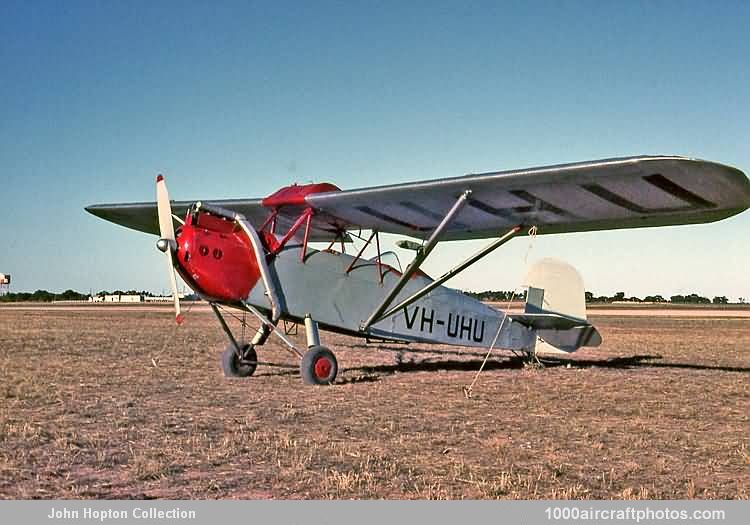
(323, 368)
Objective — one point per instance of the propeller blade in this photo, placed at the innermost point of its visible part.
(164, 209)
(166, 231)
(173, 281)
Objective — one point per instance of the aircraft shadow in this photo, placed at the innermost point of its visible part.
(642, 361)
(372, 373)
(368, 374)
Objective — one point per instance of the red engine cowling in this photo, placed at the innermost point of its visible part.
(215, 258)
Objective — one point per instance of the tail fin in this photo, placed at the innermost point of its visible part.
(556, 291)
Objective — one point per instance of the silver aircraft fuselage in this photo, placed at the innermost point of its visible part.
(343, 301)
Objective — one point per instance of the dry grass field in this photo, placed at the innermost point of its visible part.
(121, 404)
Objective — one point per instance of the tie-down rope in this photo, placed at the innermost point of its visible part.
(469, 389)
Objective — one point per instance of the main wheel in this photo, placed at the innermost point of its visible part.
(319, 366)
(233, 366)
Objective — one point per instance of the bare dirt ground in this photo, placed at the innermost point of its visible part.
(116, 404)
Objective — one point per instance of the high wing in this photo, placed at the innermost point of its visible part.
(599, 195)
(142, 216)
(607, 194)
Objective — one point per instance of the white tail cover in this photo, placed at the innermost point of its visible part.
(562, 292)
(562, 285)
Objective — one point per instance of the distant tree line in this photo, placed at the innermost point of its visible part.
(497, 295)
(692, 298)
(489, 295)
(120, 292)
(502, 295)
(43, 296)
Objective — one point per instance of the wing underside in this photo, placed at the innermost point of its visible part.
(609, 194)
(601, 195)
(142, 216)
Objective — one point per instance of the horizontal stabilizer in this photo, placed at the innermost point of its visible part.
(549, 321)
(567, 340)
(560, 332)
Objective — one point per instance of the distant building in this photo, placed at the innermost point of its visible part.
(131, 298)
(116, 298)
(162, 298)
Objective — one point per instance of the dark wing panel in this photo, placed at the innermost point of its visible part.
(139, 216)
(600, 195)
(142, 216)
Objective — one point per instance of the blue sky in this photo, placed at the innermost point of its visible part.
(237, 99)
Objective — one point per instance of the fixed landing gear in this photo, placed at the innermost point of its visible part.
(240, 363)
(319, 366)
(240, 359)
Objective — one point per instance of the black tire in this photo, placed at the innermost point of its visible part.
(319, 366)
(234, 367)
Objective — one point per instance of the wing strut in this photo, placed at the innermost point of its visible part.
(453, 272)
(418, 260)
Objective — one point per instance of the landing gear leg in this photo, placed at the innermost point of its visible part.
(318, 365)
(261, 335)
(240, 359)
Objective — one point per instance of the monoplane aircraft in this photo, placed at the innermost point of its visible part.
(254, 255)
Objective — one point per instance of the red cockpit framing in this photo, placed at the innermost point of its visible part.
(293, 196)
